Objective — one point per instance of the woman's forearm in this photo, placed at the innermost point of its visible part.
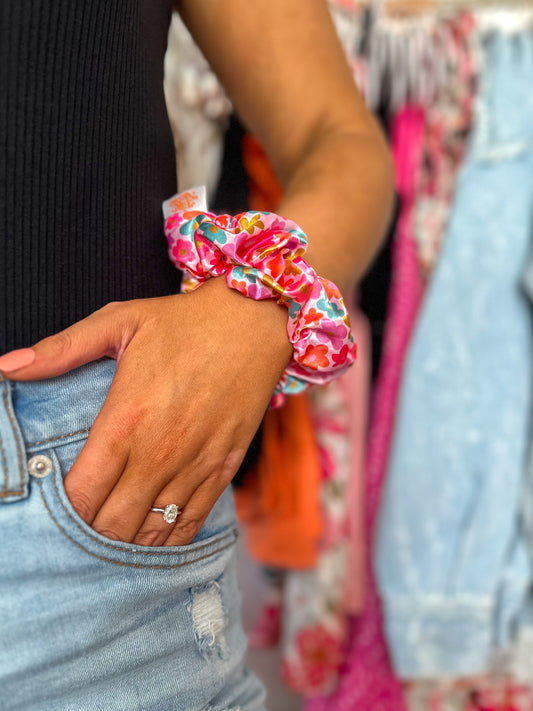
(341, 194)
(284, 69)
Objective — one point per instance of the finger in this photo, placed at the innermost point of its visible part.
(110, 451)
(97, 468)
(154, 530)
(195, 512)
(127, 508)
(123, 512)
(202, 500)
(105, 456)
(105, 332)
(145, 480)
(157, 525)
(179, 491)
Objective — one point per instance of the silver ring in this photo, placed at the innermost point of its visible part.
(170, 512)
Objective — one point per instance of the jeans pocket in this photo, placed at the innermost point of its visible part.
(216, 536)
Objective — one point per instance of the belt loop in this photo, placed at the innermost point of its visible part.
(13, 470)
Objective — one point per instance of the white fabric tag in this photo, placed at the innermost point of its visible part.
(191, 199)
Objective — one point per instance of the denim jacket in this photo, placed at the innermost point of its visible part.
(452, 559)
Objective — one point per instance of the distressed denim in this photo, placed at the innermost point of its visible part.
(91, 623)
(452, 559)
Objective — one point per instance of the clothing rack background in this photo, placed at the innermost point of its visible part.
(440, 4)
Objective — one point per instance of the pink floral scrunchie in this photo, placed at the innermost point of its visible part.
(261, 256)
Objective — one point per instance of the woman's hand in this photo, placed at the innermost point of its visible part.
(194, 377)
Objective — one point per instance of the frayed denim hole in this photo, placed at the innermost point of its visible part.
(209, 620)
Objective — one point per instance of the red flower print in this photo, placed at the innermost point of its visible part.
(315, 357)
(313, 316)
(331, 290)
(275, 265)
(223, 221)
(319, 646)
(239, 285)
(318, 659)
(343, 355)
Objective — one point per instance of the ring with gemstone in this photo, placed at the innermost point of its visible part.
(170, 512)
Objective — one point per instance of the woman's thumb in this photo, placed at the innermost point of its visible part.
(103, 333)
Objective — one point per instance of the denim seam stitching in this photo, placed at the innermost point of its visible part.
(4, 467)
(110, 545)
(57, 437)
(118, 548)
(125, 564)
(4, 461)
(7, 493)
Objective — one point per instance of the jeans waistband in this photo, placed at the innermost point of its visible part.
(40, 413)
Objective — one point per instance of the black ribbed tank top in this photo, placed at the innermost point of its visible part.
(86, 158)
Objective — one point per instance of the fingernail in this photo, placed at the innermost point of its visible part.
(17, 359)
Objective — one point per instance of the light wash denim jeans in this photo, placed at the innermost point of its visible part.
(90, 623)
(453, 562)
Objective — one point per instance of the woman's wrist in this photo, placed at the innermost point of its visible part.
(261, 255)
(263, 323)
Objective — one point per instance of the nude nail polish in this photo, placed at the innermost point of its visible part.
(16, 359)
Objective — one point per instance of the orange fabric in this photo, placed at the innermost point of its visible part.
(279, 503)
(264, 191)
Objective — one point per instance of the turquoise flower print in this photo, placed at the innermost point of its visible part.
(214, 233)
(189, 227)
(331, 308)
(294, 309)
(239, 274)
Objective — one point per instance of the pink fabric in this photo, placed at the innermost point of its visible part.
(317, 602)
(367, 680)
(355, 385)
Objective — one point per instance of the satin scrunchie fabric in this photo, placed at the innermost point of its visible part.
(261, 256)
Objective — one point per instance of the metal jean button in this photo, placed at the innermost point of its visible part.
(40, 466)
